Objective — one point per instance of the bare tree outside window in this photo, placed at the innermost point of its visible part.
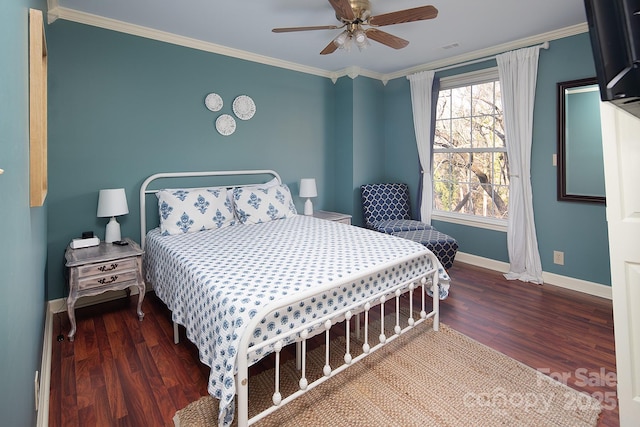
(470, 165)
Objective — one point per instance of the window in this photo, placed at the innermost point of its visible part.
(470, 165)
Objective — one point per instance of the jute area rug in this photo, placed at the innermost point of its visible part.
(424, 378)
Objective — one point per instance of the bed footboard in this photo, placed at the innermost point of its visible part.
(426, 282)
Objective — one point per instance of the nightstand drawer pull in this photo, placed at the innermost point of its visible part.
(104, 268)
(107, 280)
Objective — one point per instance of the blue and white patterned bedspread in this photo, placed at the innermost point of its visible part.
(215, 281)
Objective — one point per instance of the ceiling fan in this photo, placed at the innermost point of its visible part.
(355, 15)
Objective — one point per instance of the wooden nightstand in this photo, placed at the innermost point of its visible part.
(333, 216)
(106, 267)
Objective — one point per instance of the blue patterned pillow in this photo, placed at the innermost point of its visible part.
(254, 205)
(194, 209)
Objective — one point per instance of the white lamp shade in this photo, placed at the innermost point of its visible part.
(112, 202)
(308, 187)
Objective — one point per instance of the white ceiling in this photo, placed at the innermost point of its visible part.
(243, 29)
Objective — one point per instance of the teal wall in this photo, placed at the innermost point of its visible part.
(368, 139)
(401, 154)
(577, 229)
(23, 229)
(343, 144)
(359, 149)
(124, 107)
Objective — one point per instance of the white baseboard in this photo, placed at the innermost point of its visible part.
(58, 306)
(591, 288)
(45, 364)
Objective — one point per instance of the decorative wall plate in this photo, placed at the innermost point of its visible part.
(225, 124)
(243, 107)
(213, 101)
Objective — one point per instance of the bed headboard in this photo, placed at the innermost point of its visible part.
(148, 186)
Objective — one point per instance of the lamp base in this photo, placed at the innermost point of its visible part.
(112, 232)
(308, 207)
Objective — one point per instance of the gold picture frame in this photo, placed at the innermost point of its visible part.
(37, 109)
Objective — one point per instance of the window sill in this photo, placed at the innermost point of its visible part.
(486, 223)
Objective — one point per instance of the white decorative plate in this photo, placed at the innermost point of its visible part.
(244, 107)
(225, 124)
(213, 101)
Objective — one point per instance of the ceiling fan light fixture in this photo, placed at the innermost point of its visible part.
(359, 36)
(341, 39)
(356, 14)
(363, 46)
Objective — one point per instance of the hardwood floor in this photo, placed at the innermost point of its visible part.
(123, 372)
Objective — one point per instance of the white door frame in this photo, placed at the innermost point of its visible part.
(621, 149)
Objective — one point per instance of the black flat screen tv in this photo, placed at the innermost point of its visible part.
(614, 29)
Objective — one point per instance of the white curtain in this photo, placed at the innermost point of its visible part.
(421, 86)
(518, 71)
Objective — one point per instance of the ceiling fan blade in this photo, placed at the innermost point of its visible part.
(330, 48)
(343, 9)
(402, 16)
(386, 38)
(292, 29)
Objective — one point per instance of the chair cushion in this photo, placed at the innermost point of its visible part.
(397, 225)
(442, 245)
(385, 202)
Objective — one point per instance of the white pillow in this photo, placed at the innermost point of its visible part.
(185, 210)
(255, 205)
(270, 183)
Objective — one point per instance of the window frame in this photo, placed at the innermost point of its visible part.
(451, 82)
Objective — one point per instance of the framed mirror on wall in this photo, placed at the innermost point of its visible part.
(580, 162)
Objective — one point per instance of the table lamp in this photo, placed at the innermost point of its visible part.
(308, 190)
(112, 203)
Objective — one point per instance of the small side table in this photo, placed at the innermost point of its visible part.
(106, 267)
(333, 216)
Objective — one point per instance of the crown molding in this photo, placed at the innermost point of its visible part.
(52, 11)
(149, 33)
(353, 72)
(489, 53)
(56, 12)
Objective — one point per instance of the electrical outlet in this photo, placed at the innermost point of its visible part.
(558, 257)
(36, 389)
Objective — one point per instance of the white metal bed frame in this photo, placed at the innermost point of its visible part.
(144, 188)
(422, 283)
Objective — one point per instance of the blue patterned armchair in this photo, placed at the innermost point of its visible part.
(387, 208)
